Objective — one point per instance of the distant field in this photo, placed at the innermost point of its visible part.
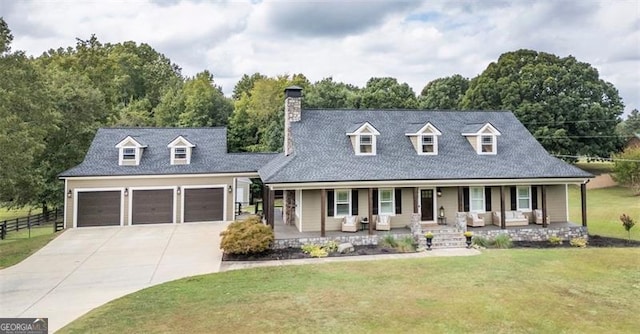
(596, 167)
(16, 213)
(604, 207)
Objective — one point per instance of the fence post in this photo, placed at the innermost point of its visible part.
(3, 230)
(17, 224)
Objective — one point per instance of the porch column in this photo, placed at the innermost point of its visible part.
(583, 200)
(370, 209)
(545, 223)
(272, 196)
(503, 223)
(460, 200)
(415, 200)
(323, 211)
(265, 204)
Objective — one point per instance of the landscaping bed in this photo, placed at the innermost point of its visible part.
(594, 241)
(297, 253)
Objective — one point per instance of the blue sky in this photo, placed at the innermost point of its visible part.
(413, 41)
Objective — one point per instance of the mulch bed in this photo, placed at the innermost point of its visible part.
(296, 253)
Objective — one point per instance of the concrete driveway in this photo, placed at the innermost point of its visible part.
(87, 267)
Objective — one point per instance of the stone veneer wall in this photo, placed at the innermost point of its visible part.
(537, 234)
(292, 113)
(356, 240)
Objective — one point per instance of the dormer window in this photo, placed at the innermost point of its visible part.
(425, 140)
(130, 152)
(181, 150)
(364, 139)
(483, 138)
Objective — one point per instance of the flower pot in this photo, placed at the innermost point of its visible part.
(468, 241)
(429, 240)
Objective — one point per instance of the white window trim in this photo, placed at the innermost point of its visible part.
(187, 151)
(435, 144)
(393, 201)
(335, 202)
(373, 144)
(493, 144)
(121, 158)
(518, 198)
(484, 205)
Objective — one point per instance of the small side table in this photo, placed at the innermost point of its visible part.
(442, 220)
(363, 225)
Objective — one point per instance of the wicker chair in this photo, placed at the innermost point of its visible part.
(383, 223)
(473, 220)
(350, 224)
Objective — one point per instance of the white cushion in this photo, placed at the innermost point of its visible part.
(350, 220)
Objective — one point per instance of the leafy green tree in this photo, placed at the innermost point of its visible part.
(626, 168)
(444, 93)
(387, 93)
(631, 125)
(245, 85)
(329, 94)
(204, 103)
(171, 105)
(561, 101)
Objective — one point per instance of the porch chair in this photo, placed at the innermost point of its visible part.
(537, 216)
(383, 223)
(349, 224)
(473, 220)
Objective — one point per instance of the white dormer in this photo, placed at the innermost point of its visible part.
(180, 151)
(483, 138)
(425, 140)
(130, 152)
(364, 139)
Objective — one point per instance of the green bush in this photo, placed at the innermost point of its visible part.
(503, 241)
(578, 242)
(481, 241)
(555, 240)
(405, 245)
(331, 246)
(314, 250)
(246, 237)
(389, 241)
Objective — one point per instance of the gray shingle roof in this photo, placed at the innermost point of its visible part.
(209, 156)
(324, 153)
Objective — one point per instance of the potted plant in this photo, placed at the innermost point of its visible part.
(468, 235)
(429, 237)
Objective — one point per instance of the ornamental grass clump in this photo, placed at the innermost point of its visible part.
(246, 237)
(627, 223)
(578, 242)
(555, 240)
(503, 241)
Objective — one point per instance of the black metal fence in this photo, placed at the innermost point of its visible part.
(53, 217)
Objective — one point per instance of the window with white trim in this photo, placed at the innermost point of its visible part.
(487, 144)
(366, 144)
(428, 144)
(180, 153)
(129, 153)
(386, 202)
(524, 199)
(476, 199)
(342, 202)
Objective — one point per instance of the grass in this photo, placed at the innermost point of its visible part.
(500, 291)
(595, 167)
(18, 246)
(6, 214)
(604, 207)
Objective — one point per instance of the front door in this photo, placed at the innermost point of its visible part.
(426, 204)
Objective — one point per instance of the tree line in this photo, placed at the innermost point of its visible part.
(52, 105)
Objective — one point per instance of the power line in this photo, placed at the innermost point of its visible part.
(593, 158)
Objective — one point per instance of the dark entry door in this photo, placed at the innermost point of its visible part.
(426, 204)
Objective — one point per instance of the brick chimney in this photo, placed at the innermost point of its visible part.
(292, 113)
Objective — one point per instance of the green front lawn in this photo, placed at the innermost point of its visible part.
(500, 291)
(604, 207)
(18, 245)
(6, 214)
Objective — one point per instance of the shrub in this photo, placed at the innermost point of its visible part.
(331, 246)
(389, 241)
(307, 248)
(318, 252)
(627, 223)
(503, 241)
(578, 242)
(555, 240)
(406, 245)
(481, 241)
(246, 237)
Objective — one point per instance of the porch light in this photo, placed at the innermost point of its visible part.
(126, 192)
(441, 211)
(69, 193)
(230, 188)
(178, 190)
(439, 192)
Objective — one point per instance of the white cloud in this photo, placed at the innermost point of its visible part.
(414, 42)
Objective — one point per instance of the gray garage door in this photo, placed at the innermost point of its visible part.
(152, 206)
(206, 204)
(98, 208)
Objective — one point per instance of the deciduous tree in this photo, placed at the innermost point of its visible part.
(444, 93)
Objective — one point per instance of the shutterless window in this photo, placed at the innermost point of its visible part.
(386, 204)
(476, 199)
(428, 144)
(129, 154)
(343, 202)
(366, 144)
(487, 144)
(180, 153)
(524, 198)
